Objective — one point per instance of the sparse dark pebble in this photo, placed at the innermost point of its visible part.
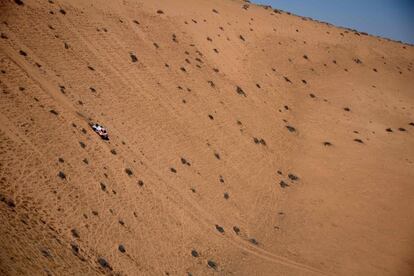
(121, 248)
(283, 184)
(194, 253)
(212, 264)
(293, 177)
(219, 228)
(104, 263)
(358, 141)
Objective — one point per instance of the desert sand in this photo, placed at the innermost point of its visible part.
(243, 141)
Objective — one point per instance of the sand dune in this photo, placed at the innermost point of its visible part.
(243, 141)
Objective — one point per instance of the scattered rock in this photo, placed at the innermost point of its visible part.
(194, 253)
(240, 91)
(219, 228)
(217, 155)
(23, 53)
(291, 128)
(358, 141)
(293, 177)
(388, 130)
(75, 248)
(19, 2)
(254, 241)
(121, 248)
(103, 187)
(45, 253)
(129, 172)
(62, 175)
(401, 129)
(283, 184)
(358, 61)
(75, 233)
(212, 264)
(173, 170)
(133, 57)
(327, 144)
(160, 12)
(104, 264)
(236, 230)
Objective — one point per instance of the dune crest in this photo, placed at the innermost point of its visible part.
(243, 141)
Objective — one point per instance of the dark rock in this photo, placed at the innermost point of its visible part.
(283, 184)
(129, 172)
(240, 91)
(217, 155)
(194, 253)
(75, 248)
(291, 128)
(104, 264)
(219, 228)
(75, 233)
(62, 175)
(254, 241)
(293, 177)
(121, 248)
(133, 57)
(212, 264)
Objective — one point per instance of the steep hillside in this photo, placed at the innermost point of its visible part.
(243, 141)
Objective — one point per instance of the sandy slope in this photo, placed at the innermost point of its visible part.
(207, 160)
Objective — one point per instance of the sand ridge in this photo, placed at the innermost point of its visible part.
(243, 141)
